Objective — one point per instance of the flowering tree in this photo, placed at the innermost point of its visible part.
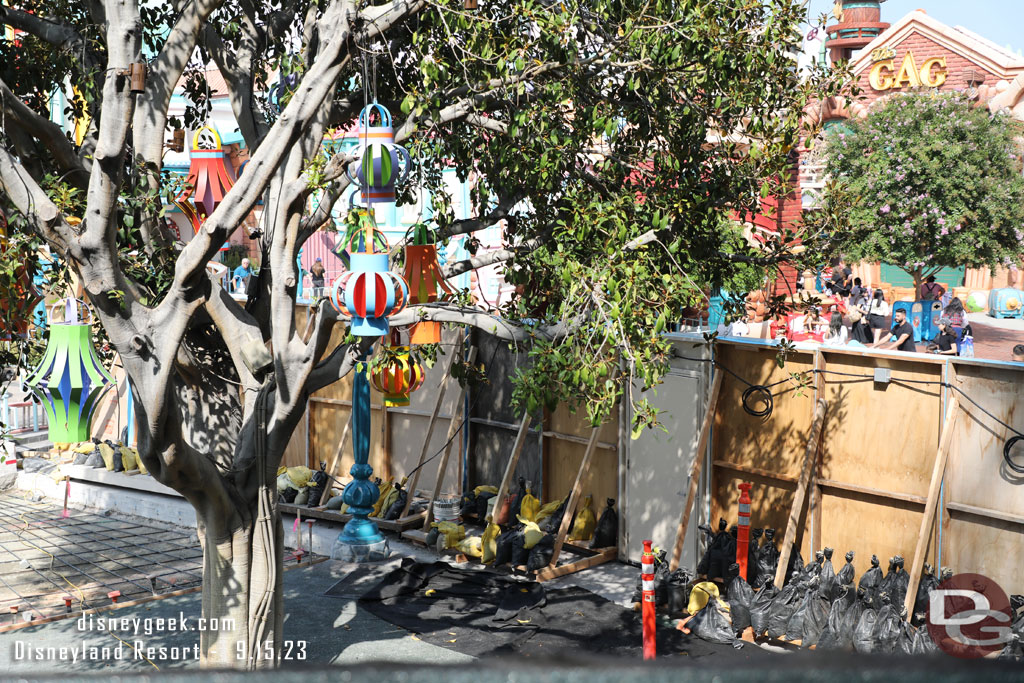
(934, 181)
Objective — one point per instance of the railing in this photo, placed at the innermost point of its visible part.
(23, 416)
(812, 183)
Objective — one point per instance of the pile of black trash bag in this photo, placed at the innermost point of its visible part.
(671, 588)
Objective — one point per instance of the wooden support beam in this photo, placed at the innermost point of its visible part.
(814, 513)
(411, 487)
(574, 497)
(695, 467)
(788, 479)
(453, 428)
(552, 572)
(800, 496)
(332, 464)
(938, 471)
(510, 467)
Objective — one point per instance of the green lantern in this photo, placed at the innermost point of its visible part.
(70, 381)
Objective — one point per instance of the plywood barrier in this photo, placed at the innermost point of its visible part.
(877, 456)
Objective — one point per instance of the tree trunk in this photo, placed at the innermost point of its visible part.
(236, 576)
(918, 283)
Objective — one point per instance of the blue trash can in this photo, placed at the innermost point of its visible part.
(923, 317)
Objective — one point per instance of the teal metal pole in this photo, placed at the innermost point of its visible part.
(361, 493)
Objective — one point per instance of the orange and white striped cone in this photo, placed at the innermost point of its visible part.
(743, 531)
(649, 620)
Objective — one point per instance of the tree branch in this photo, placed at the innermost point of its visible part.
(491, 257)
(59, 35)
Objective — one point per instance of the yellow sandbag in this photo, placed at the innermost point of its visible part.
(138, 461)
(489, 489)
(548, 509)
(107, 453)
(700, 595)
(281, 470)
(299, 475)
(128, 458)
(489, 542)
(84, 447)
(378, 505)
(531, 532)
(586, 522)
(530, 507)
(388, 500)
(471, 546)
(452, 532)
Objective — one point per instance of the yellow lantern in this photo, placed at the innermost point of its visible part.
(396, 372)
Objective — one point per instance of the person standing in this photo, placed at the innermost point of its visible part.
(903, 333)
(240, 278)
(316, 276)
(878, 311)
(932, 290)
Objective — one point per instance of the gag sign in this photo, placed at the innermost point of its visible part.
(885, 76)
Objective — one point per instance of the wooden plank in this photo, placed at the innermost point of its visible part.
(411, 488)
(510, 467)
(549, 572)
(810, 456)
(695, 467)
(928, 520)
(814, 512)
(453, 427)
(400, 524)
(385, 445)
(415, 535)
(869, 491)
(332, 463)
(749, 469)
(985, 512)
(574, 497)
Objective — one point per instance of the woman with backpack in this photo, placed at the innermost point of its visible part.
(878, 312)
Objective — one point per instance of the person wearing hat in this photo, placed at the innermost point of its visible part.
(945, 343)
(316, 274)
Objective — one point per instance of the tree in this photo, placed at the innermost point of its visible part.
(933, 182)
(615, 137)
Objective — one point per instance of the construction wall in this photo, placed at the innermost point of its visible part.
(877, 455)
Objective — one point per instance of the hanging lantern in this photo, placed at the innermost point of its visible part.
(383, 163)
(426, 283)
(210, 177)
(70, 381)
(396, 372)
(18, 298)
(368, 293)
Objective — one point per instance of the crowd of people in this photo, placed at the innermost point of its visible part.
(873, 322)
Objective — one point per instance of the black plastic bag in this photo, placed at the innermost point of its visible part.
(711, 624)
(468, 504)
(923, 643)
(871, 582)
(783, 606)
(900, 582)
(553, 522)
(827, 576)
(541, 554)
(847, 573)
(888, 581)
(661, 578)
(480, 504)
(887, 630)
(1013, 652)
(520, 555)
(516, 502)
(606, 533)
(316, 490)
(752, 573)
(863, 635)
(831, 635)
(795, 572)
(679, 583)
(815, 618)
(905, 641)
(503, 547)
(395, 511)
(851, 619)
(287, 496)
(80, 458)
(768, 557)
(929, 582)
(760, 607)
(740, 597)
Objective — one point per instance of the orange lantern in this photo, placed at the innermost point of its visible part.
(210, 178)
(426, 283)
(396, 372)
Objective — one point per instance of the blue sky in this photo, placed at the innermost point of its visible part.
(1001, 21)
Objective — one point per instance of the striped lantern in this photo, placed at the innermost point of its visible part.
(426, 283)
(396, 373)
(383, 163)
(210, 178)
(70, 380)
(368, 292)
